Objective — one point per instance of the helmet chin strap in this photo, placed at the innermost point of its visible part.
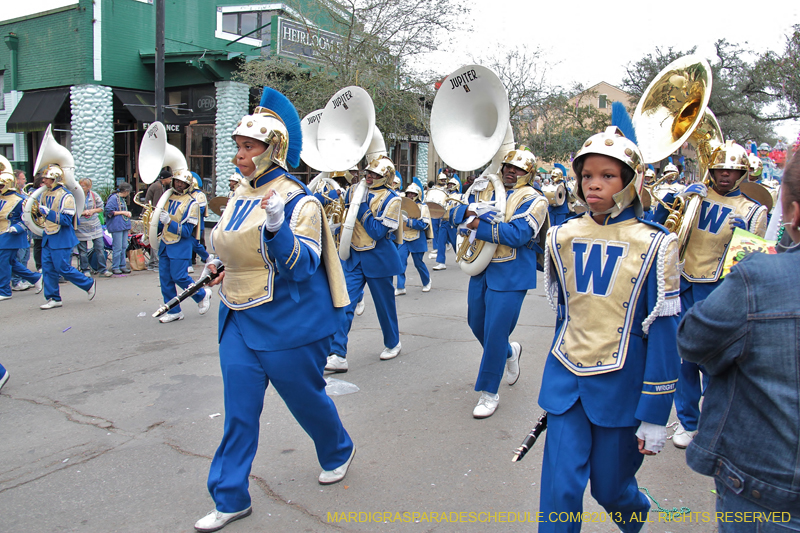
(622, 200)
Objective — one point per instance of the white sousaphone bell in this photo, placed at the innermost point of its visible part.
(52, 153)
(346, 133)
(154, 154)
(469, 127)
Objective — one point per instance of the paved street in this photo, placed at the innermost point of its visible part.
(110, 420)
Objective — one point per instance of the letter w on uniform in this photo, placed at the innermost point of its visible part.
(240, 212)
(173, 207)
(711, 219)
(596, 270)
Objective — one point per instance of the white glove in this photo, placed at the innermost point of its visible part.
(274, 210)
(212, 260)
(405, 219)
(654, 436)
(43, 209)
(12, 229)
(695, 188)
(163, 217)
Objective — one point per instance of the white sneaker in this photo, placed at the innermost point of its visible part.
(171, 318)
(4, 298)
(360, 308)
(512, 364)
(432, 255)
(328, 477)
(92, 290)
(399, 292)
(190, 270)
(336, 364)
(214, 521)
(440, 266)
(50, 304)
(390, 353)
(682, 438)
(205, 303)
(487, 405)
(39, 285)
(426, 288)
(21, 285)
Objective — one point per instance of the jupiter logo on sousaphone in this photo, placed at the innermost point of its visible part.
(460, 80)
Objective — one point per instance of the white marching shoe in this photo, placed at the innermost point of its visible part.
(432, 255)
(190, 270)
(205, 303)
(390, 353)
(39, 284)
(487, 405)
(427, 288)
(171, 318)
(682, 438)
(92, 291)
(214, 521)
(440, 266)
(512, 364)
(50, 304)
(336, 364)
(328, 477)
(360, 308)
(399, 292)
(4, 298)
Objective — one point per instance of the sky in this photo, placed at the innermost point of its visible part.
(589, 41)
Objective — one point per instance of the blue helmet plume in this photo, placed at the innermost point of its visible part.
(563, 169)
(281, 106)
(621, 119)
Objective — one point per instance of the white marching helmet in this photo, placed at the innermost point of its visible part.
(414, 188)
(671, 173)
(384, 168)
(730, 156)
(524, 159)
(612, 143)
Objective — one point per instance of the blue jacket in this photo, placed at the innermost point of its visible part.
(19, 239)
(382, 261)
(745, 334)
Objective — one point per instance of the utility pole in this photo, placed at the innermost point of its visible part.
(159, 88)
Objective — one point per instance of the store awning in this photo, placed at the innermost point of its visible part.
(36, 110)
(141, 104)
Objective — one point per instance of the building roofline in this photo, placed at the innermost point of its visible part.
(40, 14)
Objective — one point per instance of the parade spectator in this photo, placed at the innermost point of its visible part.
(744, 334)
(118, 223)
(90, 229)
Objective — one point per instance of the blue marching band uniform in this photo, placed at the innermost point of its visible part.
(178, 237)
(202, 203)
(495, 295)
(708, 243)
(612, 367)
(13, 237)
(374, 260)
(416, 233)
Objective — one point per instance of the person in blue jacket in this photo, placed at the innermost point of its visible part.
(13, 234)
(611, 372)
(496, 294)
(177, 224)
(373, 260)
(416, 233)
(282, 293)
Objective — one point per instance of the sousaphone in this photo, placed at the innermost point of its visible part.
(52, 153)
(470, 127)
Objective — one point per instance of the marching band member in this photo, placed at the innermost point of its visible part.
(233, 182)
(611, 371)
(397, 182)
(373, 261)
(281, 296)
(446, 234)
(558, 213)
(724, 208)
(198, 245)
(58, 207)
(13, 234)
(416, 233)
(495, 295)
(440, 185)
(177, 224)
(670, 185)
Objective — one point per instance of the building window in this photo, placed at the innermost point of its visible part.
(201, 140)
(2, 94)
(234, 22)
(603, 101)
(7, 151)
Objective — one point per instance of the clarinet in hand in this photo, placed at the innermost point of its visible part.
(191, 290)
(530, 440)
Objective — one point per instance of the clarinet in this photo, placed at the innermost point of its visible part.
(191, 290)
(530, 440)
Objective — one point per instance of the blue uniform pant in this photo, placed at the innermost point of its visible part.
(446, 234)
(492, 317)
(576, 451)
(55, 263)
(9, 265)
(23, 256)
(172, 272)
(382, 292)
(419, 262)
(296, 375)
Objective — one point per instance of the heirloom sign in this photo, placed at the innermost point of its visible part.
(296, 40)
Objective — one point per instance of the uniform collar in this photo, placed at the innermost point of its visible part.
(627, 214)
(268, 176)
